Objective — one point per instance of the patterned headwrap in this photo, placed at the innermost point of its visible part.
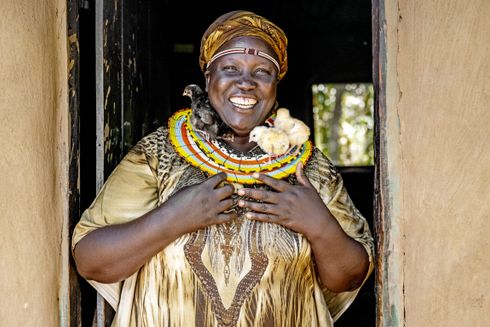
(243, 23)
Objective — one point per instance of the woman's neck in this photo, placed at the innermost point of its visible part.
(241, 143)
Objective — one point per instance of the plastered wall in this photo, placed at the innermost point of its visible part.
(33, 158)
(438, 139)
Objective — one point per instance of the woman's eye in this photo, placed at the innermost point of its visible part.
(262, 71)
(230, 68)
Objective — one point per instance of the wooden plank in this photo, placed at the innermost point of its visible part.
(108, 109)
(379, 133)
(104, 313)
(99, 94)
(112, 57)
(99, 117)
(378, 217)
(389, 278)
(121, 45)
(134, 58)
(74, 308)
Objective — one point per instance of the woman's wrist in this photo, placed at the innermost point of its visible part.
(324, 229)
(167, 225)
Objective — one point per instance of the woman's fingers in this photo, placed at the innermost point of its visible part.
(224, 217)
(224, 191)
(265, 217)
(276, 184)
(215, 180)
(300, 175)
(259, 206)
(224, 205)
(259, 194)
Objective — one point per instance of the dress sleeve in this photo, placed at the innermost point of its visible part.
(329, 184)
(129, 192)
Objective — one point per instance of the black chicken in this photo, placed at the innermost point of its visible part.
(203, 118)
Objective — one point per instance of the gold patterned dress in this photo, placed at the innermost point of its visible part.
(242, 273)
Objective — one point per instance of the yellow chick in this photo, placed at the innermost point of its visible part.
(297, 131)
(272, 140)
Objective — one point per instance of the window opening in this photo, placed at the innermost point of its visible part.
(344, 123)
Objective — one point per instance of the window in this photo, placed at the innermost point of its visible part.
(343, 122)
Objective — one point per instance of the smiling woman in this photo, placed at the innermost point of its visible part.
(190, 231)
(242, 87)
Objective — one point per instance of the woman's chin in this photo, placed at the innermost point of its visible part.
(241, 133)
(240, 130)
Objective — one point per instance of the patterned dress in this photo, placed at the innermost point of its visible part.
(242, 273)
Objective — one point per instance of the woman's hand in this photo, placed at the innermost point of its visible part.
(342, 263)
(201, 205)
(112, 253)
(297, 207)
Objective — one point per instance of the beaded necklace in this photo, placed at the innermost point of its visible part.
(215, 156)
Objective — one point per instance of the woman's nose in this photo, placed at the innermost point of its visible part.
(246, 82)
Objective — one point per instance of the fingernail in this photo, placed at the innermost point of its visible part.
(241, 203)
(248, 215)
(241, 192)
(255, 175)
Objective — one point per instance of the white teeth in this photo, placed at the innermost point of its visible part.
(241, 106)
(244, 103)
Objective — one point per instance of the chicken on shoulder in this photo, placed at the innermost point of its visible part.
(203, 117)
(297, 131)
(271, 140)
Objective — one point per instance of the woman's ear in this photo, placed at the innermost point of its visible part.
(206, 76)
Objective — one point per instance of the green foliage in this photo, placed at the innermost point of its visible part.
(344, 123)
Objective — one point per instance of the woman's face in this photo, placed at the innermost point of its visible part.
(242, 87)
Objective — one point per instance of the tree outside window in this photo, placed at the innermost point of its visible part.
(344, 123)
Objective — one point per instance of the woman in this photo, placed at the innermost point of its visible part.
(170, 242)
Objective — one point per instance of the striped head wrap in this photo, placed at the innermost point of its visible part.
(244, 23)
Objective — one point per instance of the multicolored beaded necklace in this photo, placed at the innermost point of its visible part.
(215, 156)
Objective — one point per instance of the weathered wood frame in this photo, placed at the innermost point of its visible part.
(379, 116)
(389, 286)
(389, 276)
(73, 314)
(117, 52)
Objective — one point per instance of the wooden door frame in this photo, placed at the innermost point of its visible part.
(389, 287)
(389, 275)
(73, 308)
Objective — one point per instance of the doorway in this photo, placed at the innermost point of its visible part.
(151, 50)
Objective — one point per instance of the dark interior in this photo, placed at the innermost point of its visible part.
(329, 41)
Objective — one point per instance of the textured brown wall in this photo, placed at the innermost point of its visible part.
(439, 156)
(33, 135)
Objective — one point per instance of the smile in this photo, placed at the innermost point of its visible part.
(243, 103)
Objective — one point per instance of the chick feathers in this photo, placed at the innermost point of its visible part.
(297, 131)
(272, 140)
(203, 117)
(286, 133)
